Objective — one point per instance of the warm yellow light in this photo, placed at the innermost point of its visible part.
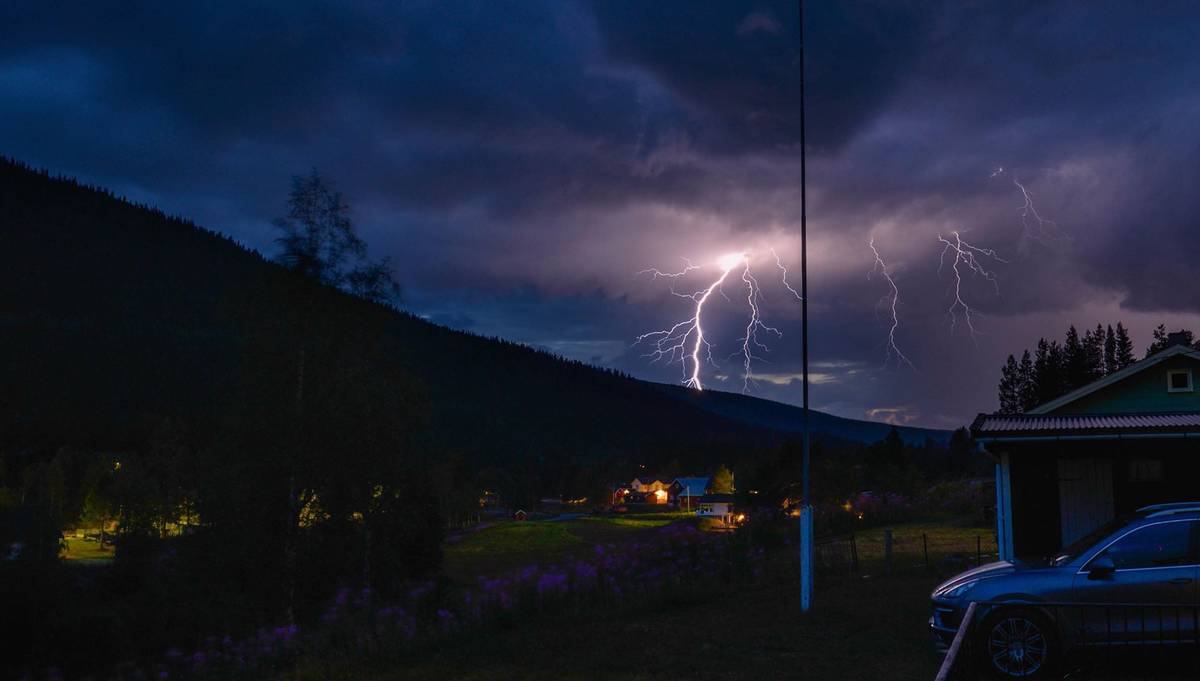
(730, 261)
(741, 517)
(847, 507)
(661, 494)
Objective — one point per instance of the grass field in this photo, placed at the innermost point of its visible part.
(86, 551)
(510, 545)
(949, 541)
(867, 626)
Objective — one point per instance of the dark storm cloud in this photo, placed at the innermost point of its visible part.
(522, 160)
(738, 62)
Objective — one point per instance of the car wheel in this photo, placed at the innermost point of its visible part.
(1017, 643)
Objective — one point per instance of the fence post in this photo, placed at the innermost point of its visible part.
(925, 548)
(950, 664)
(853, 553)
(887, 550)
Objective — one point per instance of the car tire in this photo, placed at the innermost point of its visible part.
(1016, 643)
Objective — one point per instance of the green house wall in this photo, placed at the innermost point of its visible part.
(1145, 391)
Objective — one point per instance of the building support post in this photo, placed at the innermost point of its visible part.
(1004, 528)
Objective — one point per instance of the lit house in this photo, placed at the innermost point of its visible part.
(717, 506)
(1125, 441)
(646, 485)
(649, 490)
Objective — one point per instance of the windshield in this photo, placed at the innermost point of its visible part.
(1081, 545)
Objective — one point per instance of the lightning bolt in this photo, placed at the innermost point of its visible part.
(893, 350)
(673, 344)
(784, 274)
(755, 324)
(1040, 229)
(1034, 227)
(686, 342)
(968, 255)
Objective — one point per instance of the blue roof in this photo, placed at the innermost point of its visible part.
(693, 486)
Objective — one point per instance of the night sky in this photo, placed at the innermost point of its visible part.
(521, 162)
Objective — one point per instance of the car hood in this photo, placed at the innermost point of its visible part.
(997, 569)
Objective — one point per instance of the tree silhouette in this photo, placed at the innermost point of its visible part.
(722, 481)
(1124, 351)
(318, 240)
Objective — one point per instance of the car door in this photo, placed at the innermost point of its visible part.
(1149, 595)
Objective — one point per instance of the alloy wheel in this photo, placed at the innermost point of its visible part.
(1016, 646)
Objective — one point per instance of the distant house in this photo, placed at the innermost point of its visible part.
(648, 490)
(1068, 466)
(686, 492)
(717, 506)
(647, 485)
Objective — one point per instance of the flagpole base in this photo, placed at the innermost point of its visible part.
(806, 552)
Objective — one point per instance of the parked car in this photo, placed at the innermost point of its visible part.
(1133, 581)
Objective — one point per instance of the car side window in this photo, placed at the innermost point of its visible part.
(1160, 545)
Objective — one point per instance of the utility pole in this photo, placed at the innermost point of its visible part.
(806, 511)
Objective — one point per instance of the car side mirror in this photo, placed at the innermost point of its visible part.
(1101, 568)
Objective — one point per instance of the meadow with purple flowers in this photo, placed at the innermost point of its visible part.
(671, 560)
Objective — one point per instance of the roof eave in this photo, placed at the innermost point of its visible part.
(1057, 436)
(1136, 367)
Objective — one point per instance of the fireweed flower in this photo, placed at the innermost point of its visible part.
(610, 573)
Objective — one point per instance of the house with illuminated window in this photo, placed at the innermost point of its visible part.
(641, 490)
(646, 485)
(1128, 440)
(719, 506)
(646, 490)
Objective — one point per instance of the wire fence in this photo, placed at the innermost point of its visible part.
(890, 552)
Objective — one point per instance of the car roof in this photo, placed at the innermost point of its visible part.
(1177, 508)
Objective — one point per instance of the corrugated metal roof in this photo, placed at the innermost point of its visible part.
(1015, 425)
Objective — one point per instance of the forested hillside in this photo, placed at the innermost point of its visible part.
(114, 312)
(259, 439)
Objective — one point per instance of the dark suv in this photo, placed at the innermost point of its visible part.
(1132, 581)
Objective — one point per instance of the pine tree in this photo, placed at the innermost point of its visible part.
(1093, 353)
(1160, 340)
(1057, 381)
(1110, 351)
(1010, 396)
(1028, 394)
(1075, 360)
(1047, 371)
(1124, 347)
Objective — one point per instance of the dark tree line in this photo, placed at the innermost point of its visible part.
(1055, 369)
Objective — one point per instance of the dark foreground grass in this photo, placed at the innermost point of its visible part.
(862, 629)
